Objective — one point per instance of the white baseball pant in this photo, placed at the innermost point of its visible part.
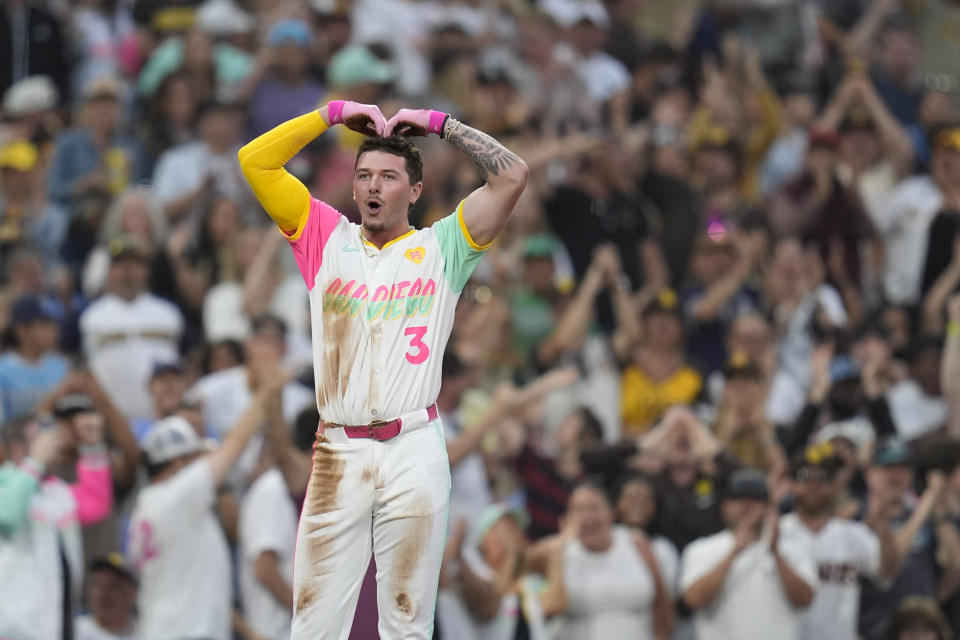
(387, 497)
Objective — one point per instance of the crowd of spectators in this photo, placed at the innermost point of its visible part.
(705, 385)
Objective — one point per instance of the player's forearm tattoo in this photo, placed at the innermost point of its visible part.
(491, 157)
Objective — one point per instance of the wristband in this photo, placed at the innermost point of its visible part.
(953, 329)
(335, 111)
(436, 121)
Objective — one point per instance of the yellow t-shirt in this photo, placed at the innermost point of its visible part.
(643, 400)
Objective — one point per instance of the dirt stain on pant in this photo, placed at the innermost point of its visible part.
(408, 555)
(321, 498)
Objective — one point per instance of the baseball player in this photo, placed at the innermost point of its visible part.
(382, 297)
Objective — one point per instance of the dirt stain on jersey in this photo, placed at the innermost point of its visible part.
(328, 469)
(408, 555)
(341, 343)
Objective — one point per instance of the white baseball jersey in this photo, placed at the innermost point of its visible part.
(844, 551)
(181, 555)
(381, 317)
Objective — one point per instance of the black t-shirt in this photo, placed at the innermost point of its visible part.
(943, 228)
(583, 223)
(680, 212)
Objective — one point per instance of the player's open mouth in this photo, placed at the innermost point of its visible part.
(373, 206)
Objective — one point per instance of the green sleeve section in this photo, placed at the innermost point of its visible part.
(16, 489)
(460, 257)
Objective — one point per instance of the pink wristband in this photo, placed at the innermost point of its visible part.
(435, 125)
(335, 111)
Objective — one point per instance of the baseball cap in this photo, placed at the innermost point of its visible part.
(539, 245)
(824, 138)
(356, 65)
(19, 155)
(890, 452)
(114, 561)
(163, 368)
(289, 32)
(126, 246)
(30, 95)
(747, 484)
(843, 368)
(223, 18)
(105, 87)
(493, 514)
(858, 118)
(947, 138)
(740, 366)
(72, 404)
(29, 309)
(170, 438)
(665, 302)
(822, 456)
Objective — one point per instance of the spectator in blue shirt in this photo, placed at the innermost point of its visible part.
(31, 369)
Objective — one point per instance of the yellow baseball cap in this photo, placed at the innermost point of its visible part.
(948, 139)
(19, 155)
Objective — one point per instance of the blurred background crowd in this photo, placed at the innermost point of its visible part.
(729, 293)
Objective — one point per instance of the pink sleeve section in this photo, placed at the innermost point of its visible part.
(93, 490)
(309, 245)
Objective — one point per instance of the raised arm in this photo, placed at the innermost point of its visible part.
(283, 197)
(950, 367)
(486, 210)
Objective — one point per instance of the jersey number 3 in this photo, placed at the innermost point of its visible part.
(418, 348)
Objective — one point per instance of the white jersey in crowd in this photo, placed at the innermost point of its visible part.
(609, 594)
(88, 629)
(844, 550)
(31, 569)
(268, 522)
(904, 223)
(381, 318)
(181, 555)
(751, 604)
(124, 340)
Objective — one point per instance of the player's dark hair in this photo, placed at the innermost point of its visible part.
(399, 147)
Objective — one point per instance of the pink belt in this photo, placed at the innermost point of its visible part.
(380, 430)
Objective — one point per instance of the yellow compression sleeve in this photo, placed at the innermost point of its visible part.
(283, 197)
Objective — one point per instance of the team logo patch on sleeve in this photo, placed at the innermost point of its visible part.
(415, 255)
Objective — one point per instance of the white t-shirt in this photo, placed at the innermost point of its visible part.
(609, 594)
(87, 629)
(182, 169)
(181, 554)
(751, 604)
(914, 412)
(844, 551)
(124, 340)
(268, 522)
(904, 223)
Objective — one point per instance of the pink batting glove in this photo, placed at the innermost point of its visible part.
(362, 118)
(416, 122)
